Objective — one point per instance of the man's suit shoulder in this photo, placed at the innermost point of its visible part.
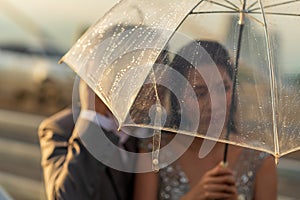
(59, 122)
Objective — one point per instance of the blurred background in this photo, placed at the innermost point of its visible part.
(34, 36)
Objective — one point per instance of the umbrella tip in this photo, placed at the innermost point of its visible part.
(276, 158)
(61, 60)
(155, 165)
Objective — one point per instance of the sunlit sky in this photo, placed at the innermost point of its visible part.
(59, 21)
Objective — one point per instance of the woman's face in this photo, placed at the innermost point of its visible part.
(211, 92)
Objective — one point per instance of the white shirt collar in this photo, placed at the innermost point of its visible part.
(107, 123)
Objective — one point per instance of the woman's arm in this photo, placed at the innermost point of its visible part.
(146, 186)
(266, 181)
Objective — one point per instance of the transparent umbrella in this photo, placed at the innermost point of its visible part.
(117, 57)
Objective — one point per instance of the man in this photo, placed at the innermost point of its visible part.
(70, 170)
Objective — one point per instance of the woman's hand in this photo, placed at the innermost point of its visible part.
(217, 183)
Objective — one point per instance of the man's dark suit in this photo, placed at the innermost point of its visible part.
(70, 171)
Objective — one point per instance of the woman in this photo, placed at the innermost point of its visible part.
(249, 174)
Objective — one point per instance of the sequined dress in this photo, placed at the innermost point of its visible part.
(174, 183)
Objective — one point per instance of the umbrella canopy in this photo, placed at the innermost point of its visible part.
(122, 58)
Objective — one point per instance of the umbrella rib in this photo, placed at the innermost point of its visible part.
(253, 4)
(255, 19)
(213, 12)
(229, 12)
(235, 6)
(274, 5)
(272, 85)
(222, 5)
(276, 13)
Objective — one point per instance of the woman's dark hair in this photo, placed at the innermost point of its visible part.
(196, 54)
(199, 53)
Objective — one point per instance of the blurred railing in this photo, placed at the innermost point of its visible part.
(20, 170)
